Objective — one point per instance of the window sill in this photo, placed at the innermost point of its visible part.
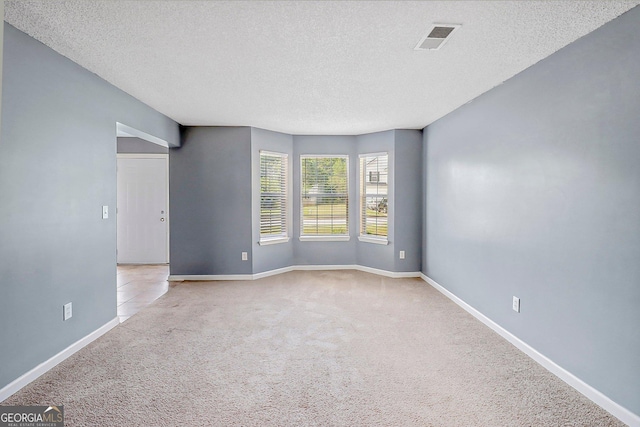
(325, 238)
(377, 241)
(273, 241)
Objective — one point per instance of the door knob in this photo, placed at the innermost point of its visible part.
(161, 219)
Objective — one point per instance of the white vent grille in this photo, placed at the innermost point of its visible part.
(437, 36)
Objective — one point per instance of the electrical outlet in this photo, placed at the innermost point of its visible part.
(67, 311)
(516, 304)
(244, 256)
(401, 254)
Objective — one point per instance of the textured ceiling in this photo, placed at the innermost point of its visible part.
(306, 67)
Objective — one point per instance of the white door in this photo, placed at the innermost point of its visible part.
(142, 210)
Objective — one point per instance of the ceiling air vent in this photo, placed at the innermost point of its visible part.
(437, 36)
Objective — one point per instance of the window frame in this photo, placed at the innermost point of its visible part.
(324, 237)
(270, 239)
(362, 198)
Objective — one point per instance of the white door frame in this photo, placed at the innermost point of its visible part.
(151, 156)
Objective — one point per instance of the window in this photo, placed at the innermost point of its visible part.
(374, 197)
(273, 197)
(325, 198)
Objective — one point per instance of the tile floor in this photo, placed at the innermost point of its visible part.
(139, 286)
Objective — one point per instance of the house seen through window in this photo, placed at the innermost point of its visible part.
(374, 195)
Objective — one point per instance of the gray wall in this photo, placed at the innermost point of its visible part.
(215, 205)
(405, 201)
(408, 200)
(130, 145)
(269, 257)
(533, 190)
(210, 201)
(57, 169)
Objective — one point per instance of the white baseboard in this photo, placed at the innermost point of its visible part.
(209, 277)
(615, 409)
(214, 277)
(392, 274)
(312, 267)
(34, 373)
(271, 273)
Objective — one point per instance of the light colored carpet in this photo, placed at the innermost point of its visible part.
(339, 348)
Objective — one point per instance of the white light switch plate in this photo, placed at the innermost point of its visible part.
(68, 311)
(245, 256)
(105, 212)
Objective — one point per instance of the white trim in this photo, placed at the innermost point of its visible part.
(323, 156)
(273, 241)
(271, 273)
(617, 410)
(208, 277)
(45, 366)
(392, 274)
(124, 130)
(311, 267)
(336, 238)
(142, 156)
(256, 276)
(377, 241)
(274, 154)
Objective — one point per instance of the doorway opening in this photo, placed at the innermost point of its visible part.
(142, 217)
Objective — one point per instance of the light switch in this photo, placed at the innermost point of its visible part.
(67, 311)
(105, 212)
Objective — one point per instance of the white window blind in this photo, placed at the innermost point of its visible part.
(374, 195)
(273, 195)
(325, 196)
